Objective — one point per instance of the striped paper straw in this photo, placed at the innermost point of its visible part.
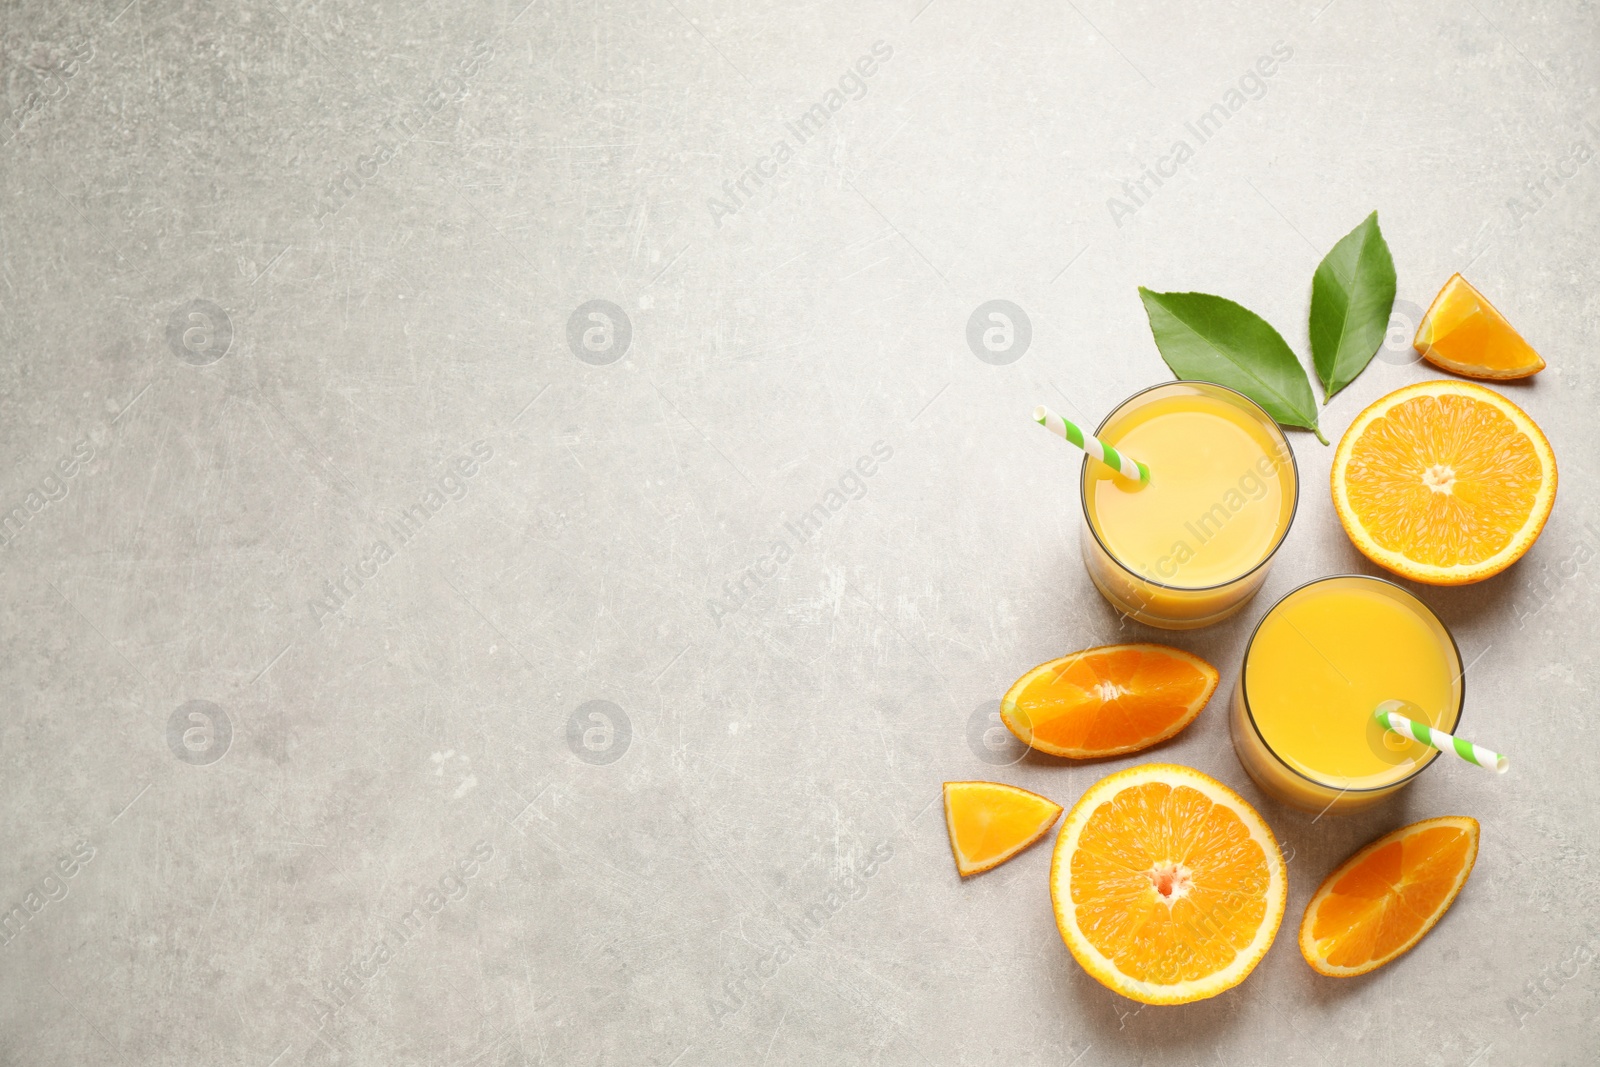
(1126, 466)
(1438, 739)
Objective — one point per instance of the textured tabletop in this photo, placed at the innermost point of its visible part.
(510, 513)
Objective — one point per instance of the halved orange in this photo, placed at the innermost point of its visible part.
(989, 822)
(1380, 902)
(1463, 332)
(1444, 482)
(1168, 887)
(1107, 701)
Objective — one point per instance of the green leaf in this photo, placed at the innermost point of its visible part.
(1207, 338)
(1351, 296)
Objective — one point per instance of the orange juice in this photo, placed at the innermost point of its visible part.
(1190, 547)
(1319, 664)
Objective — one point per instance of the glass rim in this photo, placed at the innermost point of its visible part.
(1246, 402)
(1430, 753)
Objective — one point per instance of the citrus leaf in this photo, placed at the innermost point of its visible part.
(1351, 296)
(1210, 339)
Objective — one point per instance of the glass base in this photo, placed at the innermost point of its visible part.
(1140, 612)
(1162, 606)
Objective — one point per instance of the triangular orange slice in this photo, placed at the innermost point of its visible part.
(989, 822)
(1462, 332)
(1380, 901)
(1107, 701)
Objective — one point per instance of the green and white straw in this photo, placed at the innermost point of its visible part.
(1427, 735)
(1126, 466)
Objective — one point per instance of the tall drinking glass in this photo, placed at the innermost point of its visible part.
(1316, 669)
(1194, 544)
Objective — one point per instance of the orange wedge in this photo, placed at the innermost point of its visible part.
(1462, 332)
(1167, 886)
(1107, 701)
(1380, 901)
(1444, 482)
(989, 822)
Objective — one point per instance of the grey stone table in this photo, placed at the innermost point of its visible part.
(505, 532)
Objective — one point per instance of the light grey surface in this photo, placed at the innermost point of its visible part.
(503, 165)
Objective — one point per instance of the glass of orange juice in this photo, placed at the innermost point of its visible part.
(1192, 545)
(1317, 667)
